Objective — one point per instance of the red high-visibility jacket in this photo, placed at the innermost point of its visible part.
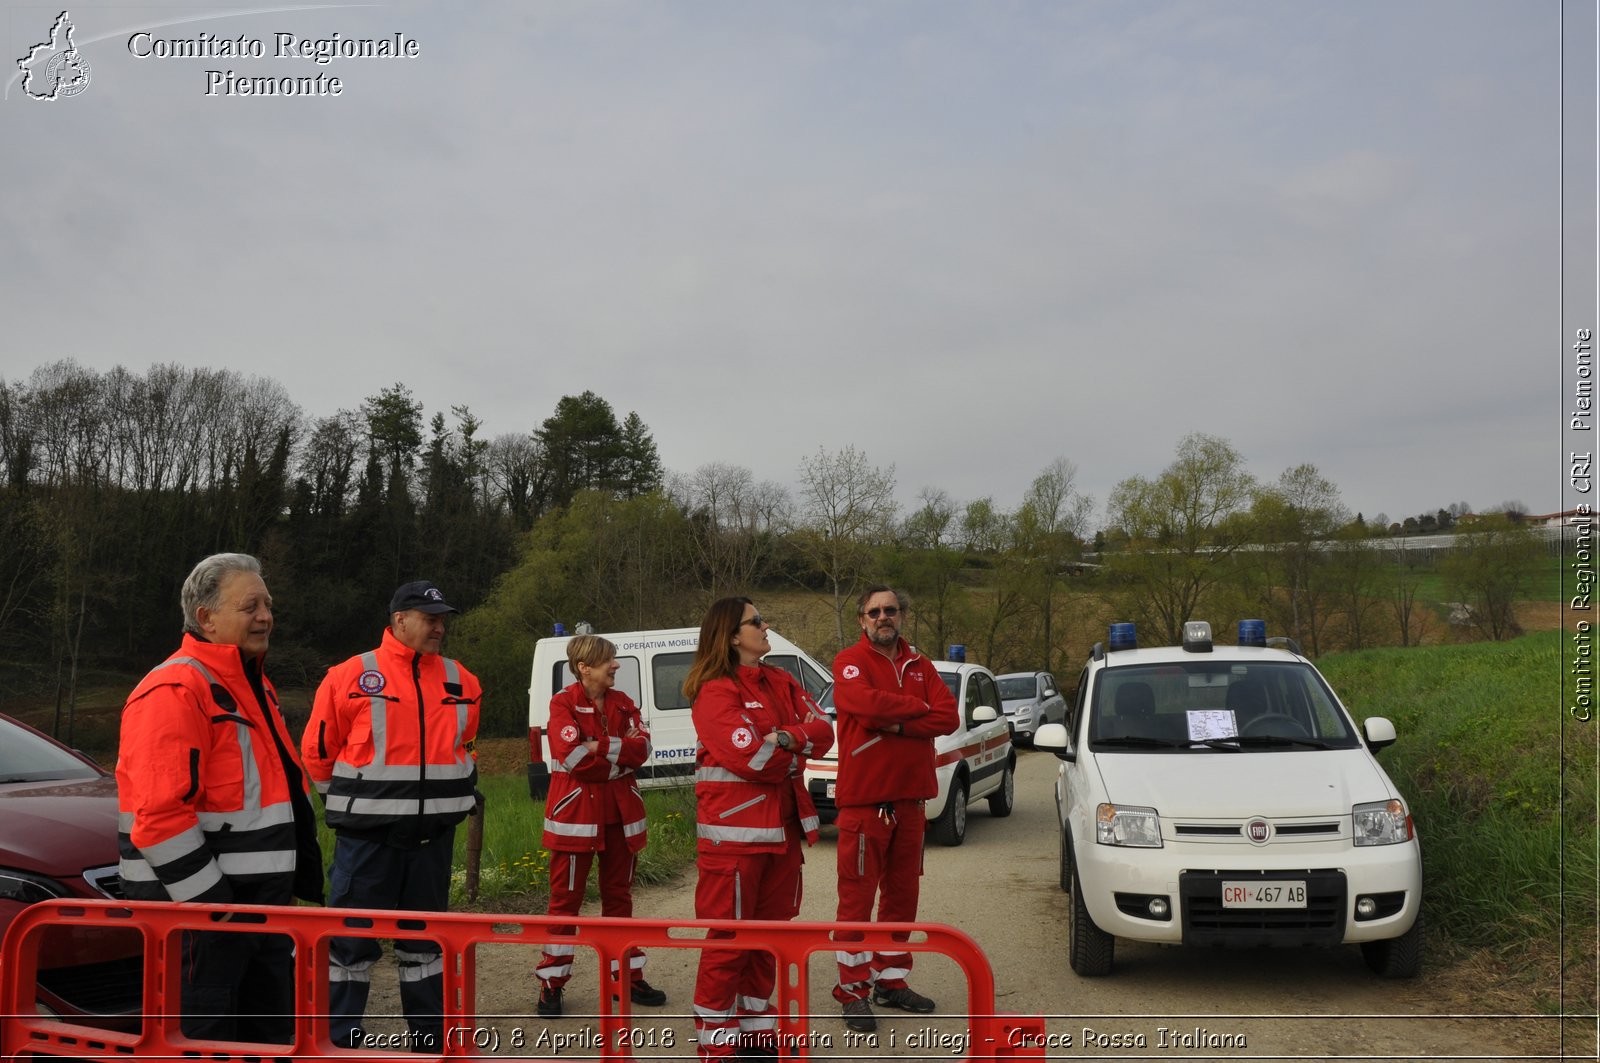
(743, 784)
(390, 742)
(871, 692)
(203, 791)
(583, 782)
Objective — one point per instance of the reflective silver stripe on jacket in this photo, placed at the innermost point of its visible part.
(271, 816)
(717, 833)
(756, 800)
(372, 806)
(378, 719)
(403, 772)
(572, 830)
(763, 753)
(634, 829)
(712, 773)
(863, 747)
(268, 862)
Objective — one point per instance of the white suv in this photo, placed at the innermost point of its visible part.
(1221, 795)
(974, 761)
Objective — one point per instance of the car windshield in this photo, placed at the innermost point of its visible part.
(1216, 706)
(28, 757)
(952, 682)
(1017, 688)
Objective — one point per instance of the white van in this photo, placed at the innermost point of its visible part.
(654, 664)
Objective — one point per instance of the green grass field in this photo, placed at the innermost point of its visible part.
(1502, 786)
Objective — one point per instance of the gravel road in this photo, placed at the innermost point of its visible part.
(1001, 888)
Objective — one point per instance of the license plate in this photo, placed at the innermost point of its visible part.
(831, 787)
(1263, 894)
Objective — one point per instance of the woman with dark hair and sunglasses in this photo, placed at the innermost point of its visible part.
(756, 725)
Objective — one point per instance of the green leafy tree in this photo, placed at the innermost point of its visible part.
(1182, 528)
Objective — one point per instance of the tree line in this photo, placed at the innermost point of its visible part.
(113, 484)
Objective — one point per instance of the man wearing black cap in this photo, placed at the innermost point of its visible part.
(390, 748)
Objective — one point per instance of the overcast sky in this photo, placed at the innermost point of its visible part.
(967, 238)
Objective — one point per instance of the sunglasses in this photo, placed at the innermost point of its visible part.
(888, 610)
(755, 621)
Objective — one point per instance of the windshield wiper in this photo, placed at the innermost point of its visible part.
(1260, 741)
(1230, 744)
(1144, 741)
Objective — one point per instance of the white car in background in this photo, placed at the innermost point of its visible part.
(1221, 795)
(1030, 699)
(976, 761)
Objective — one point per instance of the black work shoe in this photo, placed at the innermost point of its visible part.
(858, 1016)
(642, 992)
(904, 998)
(550, 1003)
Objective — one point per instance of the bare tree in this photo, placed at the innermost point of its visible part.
(1050, 527)
(734, 520)
(847, 504)
(1295, 518)
(512, 465)
(931, 563)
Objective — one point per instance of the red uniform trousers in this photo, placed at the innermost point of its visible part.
(879, 855)
(569, 877)
(733, 989)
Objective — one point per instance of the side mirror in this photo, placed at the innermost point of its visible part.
(1049, 693)
(1379, 732)
(984, 714)
(1054, 738)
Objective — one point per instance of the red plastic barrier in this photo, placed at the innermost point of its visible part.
(26, 1034)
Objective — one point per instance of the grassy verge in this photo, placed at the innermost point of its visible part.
(1502, 786)
(514, 868)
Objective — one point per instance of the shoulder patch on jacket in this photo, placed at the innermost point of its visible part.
(849, 671)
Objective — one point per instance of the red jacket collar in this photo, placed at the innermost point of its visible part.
(396, 650)
(903, 650)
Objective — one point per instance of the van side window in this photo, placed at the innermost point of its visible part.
(627, 678)
(667, 672)
(814, 681)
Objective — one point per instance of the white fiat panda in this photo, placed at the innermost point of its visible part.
(1221, 795)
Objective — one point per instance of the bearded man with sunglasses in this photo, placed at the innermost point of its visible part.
(892, 705)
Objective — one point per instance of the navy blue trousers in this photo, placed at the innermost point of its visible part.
(369, 874)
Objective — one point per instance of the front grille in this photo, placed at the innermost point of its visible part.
(108, 988)
(1207, 922)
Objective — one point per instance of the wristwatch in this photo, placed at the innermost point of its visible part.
(784, 741)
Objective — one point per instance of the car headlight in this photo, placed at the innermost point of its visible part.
(1129, 825)
(23, 888)
(1381, 823)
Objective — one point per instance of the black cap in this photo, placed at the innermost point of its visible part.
(421, 596)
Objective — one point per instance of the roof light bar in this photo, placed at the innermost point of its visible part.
(1253, 633)
(1123, 637)
(1197, 636)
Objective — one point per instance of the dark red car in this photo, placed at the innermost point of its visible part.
(58, 838)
